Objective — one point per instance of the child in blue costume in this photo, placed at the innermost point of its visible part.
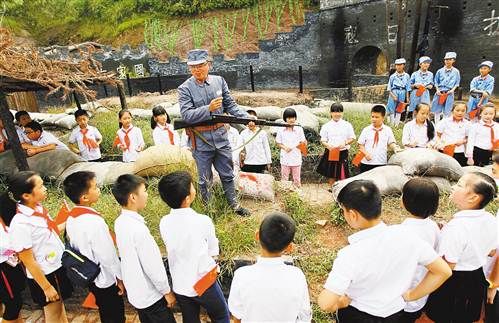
(446, 82)
(398, 88)
(421, 83)
(481, 88)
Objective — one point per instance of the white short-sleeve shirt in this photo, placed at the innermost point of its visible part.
(161, 136)
(86, 153)
(378, 151)
(336, 133)
(136, 143)
(235, 142)
(22, 136)
(258, 149)
(468, 238)
(46, 138)
(5, 245)
(191, 244)
(290, 137)
(480, 136)
(452, 132)
(428, 231)
(270, 291)
(142, 268)
(32, 232)
(89, 234)
(377, 268)
(415, 133)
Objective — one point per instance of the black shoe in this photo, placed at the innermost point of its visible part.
(242, 211)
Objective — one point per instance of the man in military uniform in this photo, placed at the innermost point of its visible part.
(201, 96)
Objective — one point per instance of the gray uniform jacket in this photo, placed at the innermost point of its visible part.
(194, 100)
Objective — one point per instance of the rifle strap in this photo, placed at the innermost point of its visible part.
(195, 133)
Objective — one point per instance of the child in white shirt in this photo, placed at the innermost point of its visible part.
(420, 131)
(85, 137)
(371, 276)
(293, 144)
(192, 247)
(414, 192)
(452, 134)
(465, 243)
(89, 234)
(483, 138)
(142, 268)
(128, 138)
(163, 132)
(256, 156)
(22, 118)
(336, 136)
(236, 143)
(40, 140)
(270, 290)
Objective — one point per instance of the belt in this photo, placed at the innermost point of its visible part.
(191, 132)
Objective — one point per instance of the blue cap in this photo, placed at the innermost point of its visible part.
(424, 59)
(489, 64)
(197, 56)
(450, 55)
(400, 61)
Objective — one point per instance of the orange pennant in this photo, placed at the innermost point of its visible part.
(420, 90)
(358, 158)
(206, 281)
(90, 302)
(334, 154)
(449, 150)
(63, 213)
(442, 98)
(401, 107)
(473, 113)
(303, 148)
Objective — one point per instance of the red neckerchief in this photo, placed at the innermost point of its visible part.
(90, 143)
(45, 215)
(492, 135)
(170, 134)
(376, 135)
(78, 210)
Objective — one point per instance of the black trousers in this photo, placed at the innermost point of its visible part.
(492, 311)
(212, 301)
(410, 317)
(254, 168)
(366, 167)
(156, 313)
(111, 306)
(482, 157)
(352, 315)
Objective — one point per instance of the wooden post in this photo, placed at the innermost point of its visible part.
(415, 36)
(17, 150)
(300, 78)
(159, 85)
(121, 93)
(252, 79)
(400, 26)
(77, 101)
(129, 84)
(105, 90)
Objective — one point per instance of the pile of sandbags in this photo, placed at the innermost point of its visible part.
(106, 172)
(254, 185)
(164, 159)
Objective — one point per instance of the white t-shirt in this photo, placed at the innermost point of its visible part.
(336, 133)
(258, 149)
(86, 153)
(32, 232)
(136, 143)
(46, 138)
(191, 244)
(415, 133)
(290, 137)
(427, 230)
(480, 136)
(235, 142)
(377, 151)
(452, 132)
(378, 267)
(270, 291)
(468, 238)
(161, 135)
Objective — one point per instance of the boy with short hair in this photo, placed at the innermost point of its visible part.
(256, 157)
(481, 88)
(85, 139)
(370, 276)
(22, 118)
(270, 290)
(89, 234)
(40, 140)
(192, 246)
(374, 141)
(142, 268)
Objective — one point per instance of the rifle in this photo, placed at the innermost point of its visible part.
(221, 118)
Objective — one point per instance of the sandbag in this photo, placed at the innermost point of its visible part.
(267, 113)
(50, 119)
(487, 170)
(106, 172)
(427, 162)
(38, 116)
(67, 122)
(90, 106)
(389, 180)
(51, 164)
(174, 111)
(141, 113)
(443, 184)
(254, 185)
(163, 160)
(165, 105)
(305, 117)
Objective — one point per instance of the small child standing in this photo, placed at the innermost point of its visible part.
(419, 132)
(40, 140)
(89, 234)
(336, 137)
(256, 156)
(86, 138)
(452, 134)
(465, 243)
(271, 290)
(374, 141)
(142, 268)
(371, 276)
(128, 138)
(483, 138)
(235, 144)
(446, 82)
(481, 88)
(192, 247)
(421, 83)
(163, 132)
(398, 88)
(291, 140)
(419, 222)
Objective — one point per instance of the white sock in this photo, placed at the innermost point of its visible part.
(397, 118)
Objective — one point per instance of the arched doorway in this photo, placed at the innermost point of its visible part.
(370, 60)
